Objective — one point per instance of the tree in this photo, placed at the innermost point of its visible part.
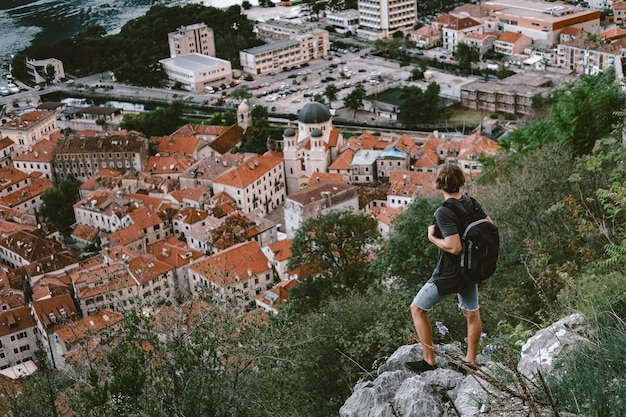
(159, 122)
(336, 249)
(417, 106)
(330, 92)
(58, 201)
(50, 74)
(466, 55)
(407, 257)
(258, 131)
(354, 100)
(240, 93)
(582, 112)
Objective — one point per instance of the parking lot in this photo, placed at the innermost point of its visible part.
(288, 91)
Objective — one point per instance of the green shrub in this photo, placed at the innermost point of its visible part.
(591, 379)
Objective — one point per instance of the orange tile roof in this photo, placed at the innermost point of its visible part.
(234, 264)
(174, 252)
(318, 177)
(145, 268)
(42, 151)
(127, 235)
(36, 187)
(43, 309)
(343, 161)
(27, 119)
(84, 232)
(165, 164)
(88, 326)
(408, 183)
(281, 249)
(250, 170)
(510, 37)
(15, 320)
(315, 192)
(277, 294)
(90, 184)
(187, 145)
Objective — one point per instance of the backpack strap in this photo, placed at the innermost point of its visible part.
(459, 214)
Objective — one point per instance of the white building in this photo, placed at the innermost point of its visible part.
(197, 38)
(42, 71)
(316, 200)
(312, 148)
(29, 128)
(285, 52)
(18, 340)
(257, 185)
(196, 71)
(235, 275)
(381, 18)
(344, 21)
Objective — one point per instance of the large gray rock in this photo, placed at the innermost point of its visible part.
(445, 392)
(539, 351)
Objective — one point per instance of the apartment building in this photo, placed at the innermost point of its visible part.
(511, 43)
(44, 71)
(29, 128)
(257, 185)
(107, 210)
(39, 160)
(122, 279)
(7, 152)
(12, 179)
(232, 277)
(193, 72)
(18, 338)
(392, 159)
(344, 21)
(23, 247)
(143, 226)
(455, 29)
(363, 167)
(405, 186)
(512, 95)
(590, 58)
(539, 20)
(179, 256)
(196, 38)
(316, 200)
(83, 156)
(27, 199)
(382, 18)
(49, 315)
(69, 339)
(202, 173)
(285, 53)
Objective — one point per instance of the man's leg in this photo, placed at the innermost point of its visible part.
(424, 332)
(474, 330)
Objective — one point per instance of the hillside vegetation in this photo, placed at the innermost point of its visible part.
(558, 194)
(133, 54)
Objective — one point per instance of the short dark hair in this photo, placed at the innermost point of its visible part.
(450, 178)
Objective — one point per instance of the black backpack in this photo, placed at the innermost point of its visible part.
(480, 243)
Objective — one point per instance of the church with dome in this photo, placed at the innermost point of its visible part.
(310, 148)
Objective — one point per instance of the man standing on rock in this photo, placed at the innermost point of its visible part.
(444, 234)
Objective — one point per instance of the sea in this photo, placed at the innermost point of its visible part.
(25, 23)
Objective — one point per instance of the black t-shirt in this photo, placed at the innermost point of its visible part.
(445, 273)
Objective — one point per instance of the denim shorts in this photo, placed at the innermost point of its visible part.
(428, 296)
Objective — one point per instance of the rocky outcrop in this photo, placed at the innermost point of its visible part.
(445, 391)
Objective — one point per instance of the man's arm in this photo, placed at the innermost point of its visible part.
(450, 244)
